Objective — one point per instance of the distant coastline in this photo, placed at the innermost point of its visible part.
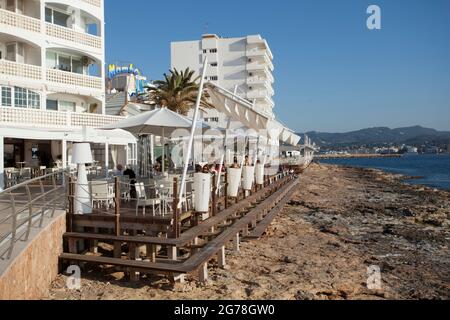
(356, 156)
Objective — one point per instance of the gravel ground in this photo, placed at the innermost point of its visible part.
(341, 226)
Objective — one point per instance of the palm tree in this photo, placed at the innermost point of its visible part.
(178, 91)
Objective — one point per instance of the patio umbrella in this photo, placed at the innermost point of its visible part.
(160, 122)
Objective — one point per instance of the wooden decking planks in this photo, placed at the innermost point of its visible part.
(270, 200)
(262, 226)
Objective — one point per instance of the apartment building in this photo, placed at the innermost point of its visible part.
(240, 65)
(52, 71)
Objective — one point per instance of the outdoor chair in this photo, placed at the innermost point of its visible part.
(143, 201)
(102, 194)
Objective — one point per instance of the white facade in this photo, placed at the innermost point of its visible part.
(52, 71)
(241, 65)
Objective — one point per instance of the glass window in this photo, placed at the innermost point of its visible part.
(77, 66)
(52, 105)
(60, 18)
(6, 97)
(20, 97)
(48, 15)
(51, 60)
(64, 63)
(34, 100)
(67, 106)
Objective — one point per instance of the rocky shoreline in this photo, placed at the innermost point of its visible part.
(342, 223)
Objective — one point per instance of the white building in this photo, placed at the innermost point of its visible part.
(52, 56)
(240, 65)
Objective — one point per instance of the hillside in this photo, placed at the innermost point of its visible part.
(416, 135)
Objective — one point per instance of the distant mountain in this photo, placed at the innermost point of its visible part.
(381, 135)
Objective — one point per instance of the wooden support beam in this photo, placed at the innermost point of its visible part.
(203, 272)
(73, 246)
(172, 253)
(151, 252)
(117, 249)
(237, 243)
(221, 258)
(117, 206)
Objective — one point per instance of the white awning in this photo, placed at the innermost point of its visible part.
(239, 109)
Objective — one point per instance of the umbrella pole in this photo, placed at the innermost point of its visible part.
(194, 124)
(163, 152)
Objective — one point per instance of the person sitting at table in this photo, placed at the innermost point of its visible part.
(119, 171)
(198, 168)
(157, 167)
(247, 162)
(235, 164)
(130, 173)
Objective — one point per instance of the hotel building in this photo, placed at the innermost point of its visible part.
(52, 71)
(240, 65)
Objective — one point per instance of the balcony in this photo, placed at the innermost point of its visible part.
(95, 3)
(256, 80)
(68, 34)
(256, 52)
(53, 119)
(15, 20)
(74, 79)
(257, 94)
(14, 69)
(255, 66)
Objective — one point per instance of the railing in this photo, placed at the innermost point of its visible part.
(46, 118)
(20, 70)
(92, 120)
(73, 36)
(74, 79)
(258, 94)
(20, 21)
(26, 205)
(95, 3)
(257, 80)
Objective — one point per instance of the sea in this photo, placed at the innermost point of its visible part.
(432, 170)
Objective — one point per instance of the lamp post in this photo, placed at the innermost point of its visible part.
(81, 155)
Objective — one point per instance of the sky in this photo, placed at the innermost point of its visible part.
(332, 74)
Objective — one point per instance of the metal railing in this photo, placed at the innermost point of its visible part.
(24, 207)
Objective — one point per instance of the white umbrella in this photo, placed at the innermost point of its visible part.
(160, 122)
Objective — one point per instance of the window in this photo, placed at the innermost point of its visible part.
(214, 64)
(60, 18)
(52, 105)
(6, 97)
(11, 52)
(77, 66)
(204, 50)
(52, 60)
(48, 15)
(67, 106)
(214, 78)
(213, 50)
(34, 100)
(20, 97)
(64, 63)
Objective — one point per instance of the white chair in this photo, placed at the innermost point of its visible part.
(101, 194)
(143, 201)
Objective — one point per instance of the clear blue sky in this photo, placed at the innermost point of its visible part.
(332, 73)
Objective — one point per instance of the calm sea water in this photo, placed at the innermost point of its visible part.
(434, 170)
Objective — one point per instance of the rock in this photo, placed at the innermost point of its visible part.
(287, 260)
(304, 296)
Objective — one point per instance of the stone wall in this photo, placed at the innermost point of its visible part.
(34, 265)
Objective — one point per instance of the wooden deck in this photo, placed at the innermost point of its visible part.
(151, 247)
